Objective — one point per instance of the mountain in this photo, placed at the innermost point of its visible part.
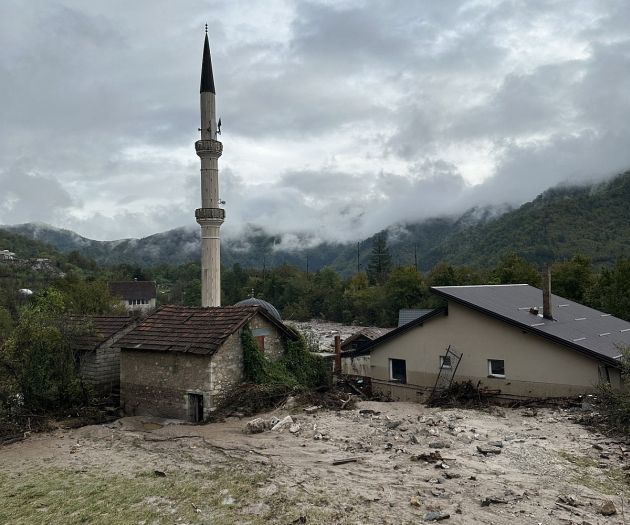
(592, 220)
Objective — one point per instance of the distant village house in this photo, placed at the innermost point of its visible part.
(135, 296)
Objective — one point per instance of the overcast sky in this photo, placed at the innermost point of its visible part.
(340, 117)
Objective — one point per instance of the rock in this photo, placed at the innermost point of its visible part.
(256, 426)
(597, 446)
(294, 428)
(452, 475)
(490, 500)
(414, 439)
(486, 449)
(465, 438)
(498, 444)
(607, 508)
(436, 516)
(283, 423)
(414, 501)
(290, 403)
(568, 499)
(530, 412)
(318, 436)
(228, 500)
(313, 409)
(392, 424)
(439, 444)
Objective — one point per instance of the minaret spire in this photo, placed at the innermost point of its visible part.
(209, 216)
(207, 79)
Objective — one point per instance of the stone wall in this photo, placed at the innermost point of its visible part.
(158, 383)
(101, 367)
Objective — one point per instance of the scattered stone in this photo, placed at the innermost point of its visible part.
(491, 500)
(429, 457)
(159, 473)
(268, 490)
(530, 412)
(568, 499)
(290, 403)
(318, 436)
(283, 423)
(414, 439)
(368, 412)
(392, 424)
(473, 478)
(439, 444)
(498, 444)
(607, 508)
(487, 449)
(313, 409)
(256, 426)
(597, 446)
(414, 501)
(452, 475)
(436, 516)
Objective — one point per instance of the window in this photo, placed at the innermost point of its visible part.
(398, 370)
(260, 341)
(445, 361)
(130, 302)
(496, 368)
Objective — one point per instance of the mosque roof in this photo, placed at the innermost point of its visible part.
(254, 301)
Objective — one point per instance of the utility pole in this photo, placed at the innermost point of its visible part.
(307, 265)
(358, 255)
(415, 256)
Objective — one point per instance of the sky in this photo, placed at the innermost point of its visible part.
(340, 117)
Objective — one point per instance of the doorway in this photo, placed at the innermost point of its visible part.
(195, 408)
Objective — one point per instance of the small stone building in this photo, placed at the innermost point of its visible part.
(135, 296)
(98, 352)
(180, 361)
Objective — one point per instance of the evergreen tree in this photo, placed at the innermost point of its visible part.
(380, 260)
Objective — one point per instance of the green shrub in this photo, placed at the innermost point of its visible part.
(297, 367)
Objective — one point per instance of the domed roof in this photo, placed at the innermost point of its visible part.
(254, 301)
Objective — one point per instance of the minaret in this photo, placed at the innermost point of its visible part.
(209, 216)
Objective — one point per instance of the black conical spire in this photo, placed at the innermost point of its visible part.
(207, 80)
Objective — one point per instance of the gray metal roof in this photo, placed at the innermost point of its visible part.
(254, 301)
(406, 315)
(575, 325)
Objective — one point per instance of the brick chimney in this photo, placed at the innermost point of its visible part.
(546, 289)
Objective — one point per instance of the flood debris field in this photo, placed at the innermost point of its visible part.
(382, 463)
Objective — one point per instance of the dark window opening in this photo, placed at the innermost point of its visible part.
(260, 341)
(445, 361)
(398, 370)
(496, 367)
(195, 408)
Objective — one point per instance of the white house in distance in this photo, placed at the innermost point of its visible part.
(508, 343)
(6, 255)
(135, 296)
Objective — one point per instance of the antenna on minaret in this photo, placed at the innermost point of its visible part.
(219, 127)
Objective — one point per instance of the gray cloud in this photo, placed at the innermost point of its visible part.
(340, 118)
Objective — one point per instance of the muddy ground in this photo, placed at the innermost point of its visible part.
(540, 467)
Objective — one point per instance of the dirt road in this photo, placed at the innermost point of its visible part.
(499, 467)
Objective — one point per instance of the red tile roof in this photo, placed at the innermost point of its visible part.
(193, 329)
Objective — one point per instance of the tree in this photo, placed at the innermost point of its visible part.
(37, 360)
(573, 279)
(403, 289)
(380, 260)
(611, 292)
(513, 269)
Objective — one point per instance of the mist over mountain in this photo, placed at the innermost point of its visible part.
(593, 220)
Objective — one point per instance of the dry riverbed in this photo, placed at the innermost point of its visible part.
(497, 467)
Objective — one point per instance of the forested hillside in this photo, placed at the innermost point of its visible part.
(593, 221)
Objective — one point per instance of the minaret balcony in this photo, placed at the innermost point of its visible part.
(210, 214)
(212, 148)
